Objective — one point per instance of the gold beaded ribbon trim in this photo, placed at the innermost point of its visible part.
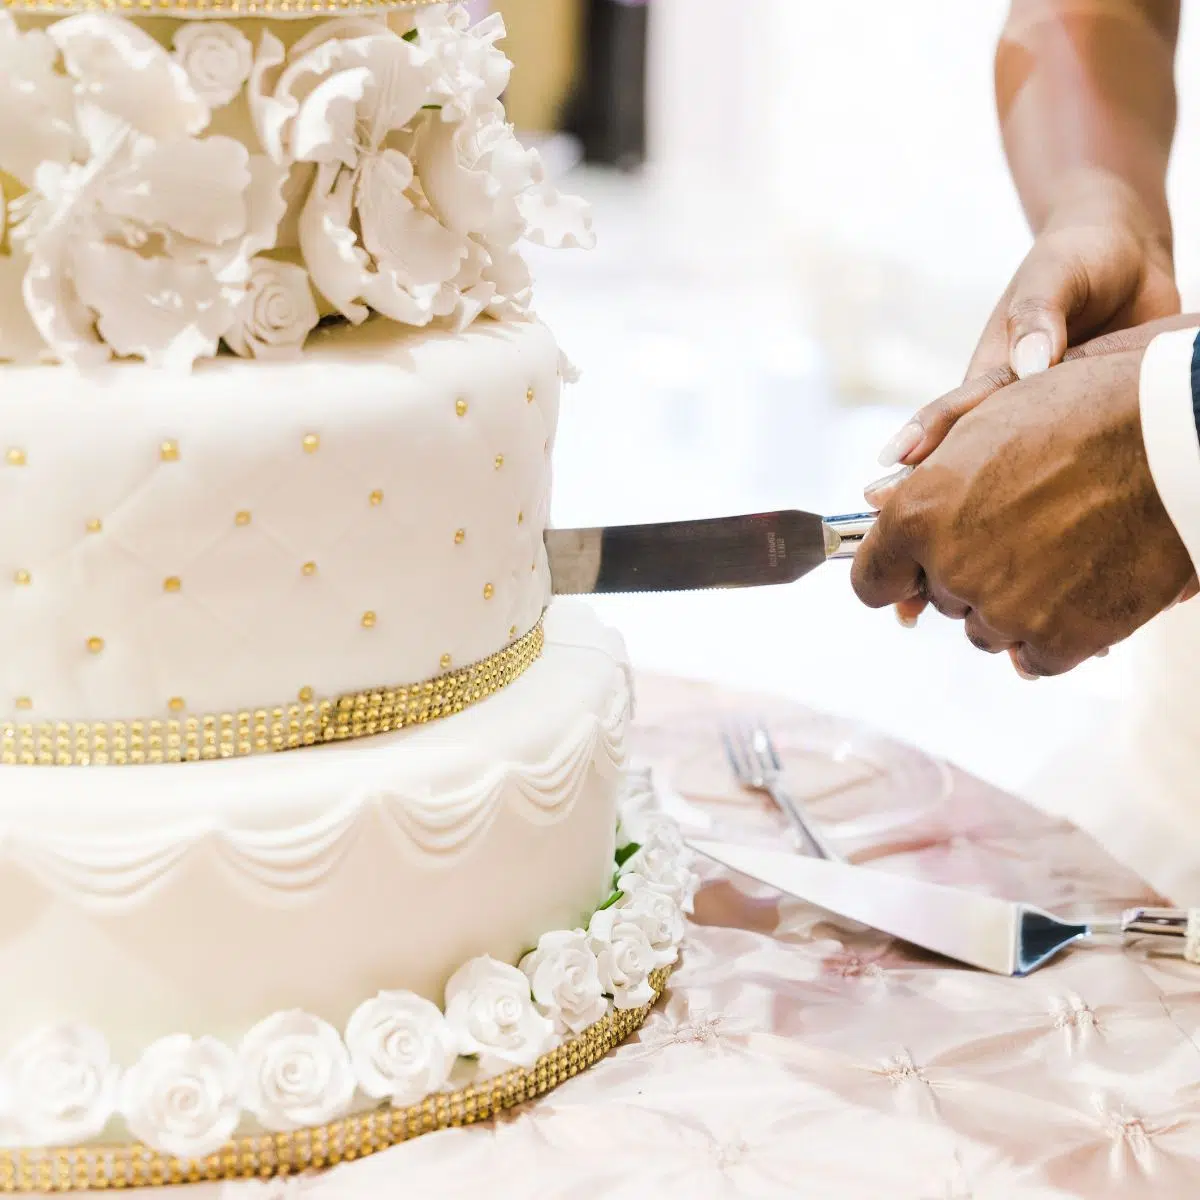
(267, 730)
(87, 1168)
(214, 8)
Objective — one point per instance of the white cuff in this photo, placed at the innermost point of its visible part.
(1169, 431)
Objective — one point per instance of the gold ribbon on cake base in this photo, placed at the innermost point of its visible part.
(267, 730)
(100, 1167)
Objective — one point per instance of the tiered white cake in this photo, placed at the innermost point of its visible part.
(308, 796)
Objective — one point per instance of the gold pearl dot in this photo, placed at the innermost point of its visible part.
(95, 645)
(309, 568)
(460, 407)
(22, 578)
(241, 518)
(176, 704)
(24, 703)
(488, 591)
(94, 525)
(512, 631)
(15, 457)
(306, 695)
(376, 498)
(172, 583)
(446, 660)
(520, 518)
(368, 620)
(169, 452)
(460, 536)
(499, 461)
(311, 443)
(529, 396)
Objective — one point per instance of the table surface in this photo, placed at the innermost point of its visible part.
(795, 1055)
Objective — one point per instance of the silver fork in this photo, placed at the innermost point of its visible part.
(758, 767)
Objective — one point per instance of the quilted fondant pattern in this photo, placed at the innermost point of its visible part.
(215, 542)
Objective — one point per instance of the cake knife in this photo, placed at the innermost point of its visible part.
(679, 556)
(1000, 936)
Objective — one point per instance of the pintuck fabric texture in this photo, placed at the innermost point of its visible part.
(795, 1055)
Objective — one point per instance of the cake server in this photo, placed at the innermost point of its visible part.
(681, 556)
(1000, 936)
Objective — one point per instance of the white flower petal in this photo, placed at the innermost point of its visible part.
(338, 265)
(123, 70)
(398, 235)
(556, 220)
(195, 187)
(170, 313)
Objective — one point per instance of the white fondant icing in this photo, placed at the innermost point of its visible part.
(293, 1070)
(375, 509)
(129, 898)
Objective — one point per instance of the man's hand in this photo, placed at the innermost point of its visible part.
(1036, 521)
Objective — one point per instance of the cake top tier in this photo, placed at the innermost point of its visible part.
(173, 187)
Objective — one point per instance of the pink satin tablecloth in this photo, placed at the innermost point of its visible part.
(796, 1056)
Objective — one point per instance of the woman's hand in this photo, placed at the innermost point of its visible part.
(1098, 266)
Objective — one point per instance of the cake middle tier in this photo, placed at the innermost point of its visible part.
(256, 534)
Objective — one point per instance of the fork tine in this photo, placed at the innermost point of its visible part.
(768, 744)
(741, 755)
(732, 754)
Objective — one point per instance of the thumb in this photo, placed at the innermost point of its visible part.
(885, 570)
(1049, 290)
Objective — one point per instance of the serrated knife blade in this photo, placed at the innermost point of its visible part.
(756, 550)
(1001, 936)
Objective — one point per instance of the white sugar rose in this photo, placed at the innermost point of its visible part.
(276, 315)
(668, 868)
(401, 1048)
(61, 1085)
(625, 958)
(656, 912)
(490, 1009)
(295, 1072)
(565, 979)
(217, 58)
(182, 1096)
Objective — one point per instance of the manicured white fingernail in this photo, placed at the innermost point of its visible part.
(874, 492)
(1102, 653)
(906, 621)
(901, 444)
(1031, 355)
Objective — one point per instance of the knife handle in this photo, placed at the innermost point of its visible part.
(844, 535)
(1181, 924)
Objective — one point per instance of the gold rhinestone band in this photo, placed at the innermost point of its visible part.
(267, 730)
(213, 8)
(86, 1168)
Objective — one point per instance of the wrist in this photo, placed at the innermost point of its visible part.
(1099, 196)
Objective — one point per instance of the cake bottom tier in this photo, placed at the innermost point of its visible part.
(200, 899)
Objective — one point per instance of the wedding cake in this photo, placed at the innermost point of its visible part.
(309, 796)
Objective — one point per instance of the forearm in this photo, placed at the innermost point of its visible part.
(1085, 89)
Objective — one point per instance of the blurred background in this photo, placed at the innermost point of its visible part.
(804, 219)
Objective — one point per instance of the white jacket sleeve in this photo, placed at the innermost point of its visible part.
(1170, 403)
